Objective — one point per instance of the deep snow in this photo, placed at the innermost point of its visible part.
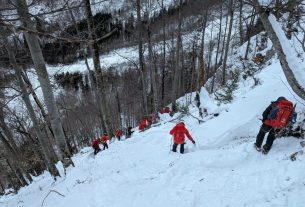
(223, 169)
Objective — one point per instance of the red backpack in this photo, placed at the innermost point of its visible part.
(280, 114)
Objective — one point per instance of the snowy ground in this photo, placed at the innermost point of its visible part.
(222, 170)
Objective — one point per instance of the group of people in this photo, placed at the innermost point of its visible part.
(96, 143)
(147, 121)
(276, 117)
(104, 138)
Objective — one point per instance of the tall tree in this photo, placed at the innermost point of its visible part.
(43, 139)
(152, 63)
(43, 77)
(101, 89)
(177, 69)
(141, 56)
(296, 87)
(224, 64)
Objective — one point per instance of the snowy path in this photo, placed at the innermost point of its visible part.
(222, 170)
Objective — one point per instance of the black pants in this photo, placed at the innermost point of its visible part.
(181, 148)
(105, 145)
(261, 135)
(96, 150)
(119, 138)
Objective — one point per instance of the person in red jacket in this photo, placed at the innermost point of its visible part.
(95, 145)
(104, 140)
(143, 124)
(179, 132)
(118, 133)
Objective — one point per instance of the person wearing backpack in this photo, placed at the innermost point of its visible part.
(104, 140)
(178, 133)
(129, 132)
(275, 117)
(118, 133)
(95, 145)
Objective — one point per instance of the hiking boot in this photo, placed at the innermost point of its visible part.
(265, 151)
(257, 148)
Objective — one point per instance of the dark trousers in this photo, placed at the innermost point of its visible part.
(105, 145)
(96, 150)
(261, 135)
(119, 138)
(181, 148)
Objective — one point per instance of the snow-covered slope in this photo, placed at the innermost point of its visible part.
(223, 169)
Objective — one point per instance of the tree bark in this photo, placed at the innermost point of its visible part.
(177, 69)
(164, 55)
(231, 12)
(241, 30)
(217, 51)
(141, 57)
(38, 102)
(153, 69)
(201, 69)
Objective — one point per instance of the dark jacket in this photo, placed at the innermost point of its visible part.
(267, 110)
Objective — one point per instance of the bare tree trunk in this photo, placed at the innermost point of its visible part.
(25, 96)
(201, 69)
(231, 12)
(202, 76)
(43, 77)
(296, 87)
(141, 57)
(241, 30)
(248, 33)
(217, 51)
(164, 56)
(177, 71)
(16, 172)
(118, 105)
(97, 66)
(18, 162)
(224, 39)
(153, 69)
(38, 102)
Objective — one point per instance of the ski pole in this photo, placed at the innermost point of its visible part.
(171, 143)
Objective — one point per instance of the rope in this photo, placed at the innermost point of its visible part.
(171, 144)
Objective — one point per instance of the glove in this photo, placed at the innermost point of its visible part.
(193, 142)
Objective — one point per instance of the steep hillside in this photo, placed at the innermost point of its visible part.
(223, 169)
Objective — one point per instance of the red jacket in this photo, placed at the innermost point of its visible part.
(143, 124)
(179, 131)
(165, 110)
(104, 138)
(95, 142)
(118, 133)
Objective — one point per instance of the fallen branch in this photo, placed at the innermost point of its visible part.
(54, 191)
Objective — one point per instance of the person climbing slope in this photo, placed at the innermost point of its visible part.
(118, 133)
(95, 145)
(129, 132)
(275, 117)
(104, 140)
(179, 132)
